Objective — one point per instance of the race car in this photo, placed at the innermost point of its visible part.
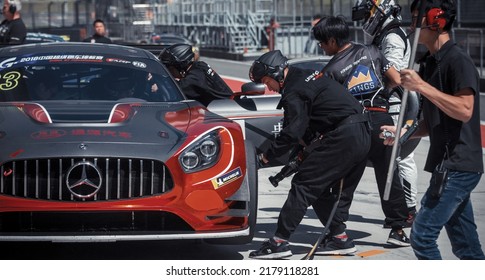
(98, 143)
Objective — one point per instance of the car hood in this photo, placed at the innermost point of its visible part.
(151, 130)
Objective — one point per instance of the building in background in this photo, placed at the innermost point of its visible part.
(235, 26)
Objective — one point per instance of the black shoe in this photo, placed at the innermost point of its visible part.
(398, 239)
(272, 250)
(335, 246)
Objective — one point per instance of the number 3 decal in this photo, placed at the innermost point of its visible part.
(9, 80)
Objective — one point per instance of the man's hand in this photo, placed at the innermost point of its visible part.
(410, 80)
(262, 160)
(389, 134)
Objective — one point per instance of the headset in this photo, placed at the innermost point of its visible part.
(14, 6)
(436, 19)
(439, 14)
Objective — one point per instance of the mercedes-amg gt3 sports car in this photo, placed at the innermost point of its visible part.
(97, 143)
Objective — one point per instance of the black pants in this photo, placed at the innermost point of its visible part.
(395, 209)
(342, 152)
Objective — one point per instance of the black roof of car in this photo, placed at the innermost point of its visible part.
(76, 48)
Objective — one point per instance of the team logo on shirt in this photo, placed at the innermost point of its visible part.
(315, 75)
(363, 81)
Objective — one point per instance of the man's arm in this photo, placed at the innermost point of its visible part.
(458, 106)
(394, 78)
(296, 122)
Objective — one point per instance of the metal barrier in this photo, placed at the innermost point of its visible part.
(293, 39)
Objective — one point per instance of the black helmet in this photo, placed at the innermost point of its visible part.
(179, 56)
(270, 64)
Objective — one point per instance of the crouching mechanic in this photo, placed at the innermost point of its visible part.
(319, 112)
(197, 79)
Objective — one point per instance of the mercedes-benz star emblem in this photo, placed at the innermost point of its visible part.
(84, 179)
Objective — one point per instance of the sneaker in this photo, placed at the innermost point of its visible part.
(270, 249)
(335, 246)
(398, 239)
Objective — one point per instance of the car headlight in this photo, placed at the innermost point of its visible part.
(201, 154)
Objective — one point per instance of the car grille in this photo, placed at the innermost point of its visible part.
(90, 179)
(96, 222)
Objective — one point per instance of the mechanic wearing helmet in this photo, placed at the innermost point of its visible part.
(382, 21)
(319, 112)
(197, 79)
(360, 69)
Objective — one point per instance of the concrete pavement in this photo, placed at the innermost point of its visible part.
(366, 217)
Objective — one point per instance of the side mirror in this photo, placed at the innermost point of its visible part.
(250, 88)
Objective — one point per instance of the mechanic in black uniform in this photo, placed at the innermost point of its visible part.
(12, 28)
(320, 113)
(360, 68)
(197, 79)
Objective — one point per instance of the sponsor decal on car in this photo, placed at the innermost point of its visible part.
(117, 60)
(277, 129)
(227, 178)
(56, 133)
(64, 58)
(52, 58)
(139, 64)
(9, 80)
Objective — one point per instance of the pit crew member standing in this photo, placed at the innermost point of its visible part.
(359, 68)
(99, 35)
(383, 24)
(319, 109)
(197, 79)
(449, 84)
(12, 29)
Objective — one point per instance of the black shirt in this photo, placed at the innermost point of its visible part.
(310, 101)
(98, 39)
(203, 84)
(13, 32)
(450, 70)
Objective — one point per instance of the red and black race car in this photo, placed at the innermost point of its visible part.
(97, 143)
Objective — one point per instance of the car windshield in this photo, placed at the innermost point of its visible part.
(85, 78)
(310, 64)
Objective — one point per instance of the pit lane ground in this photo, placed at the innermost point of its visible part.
(366, 219)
